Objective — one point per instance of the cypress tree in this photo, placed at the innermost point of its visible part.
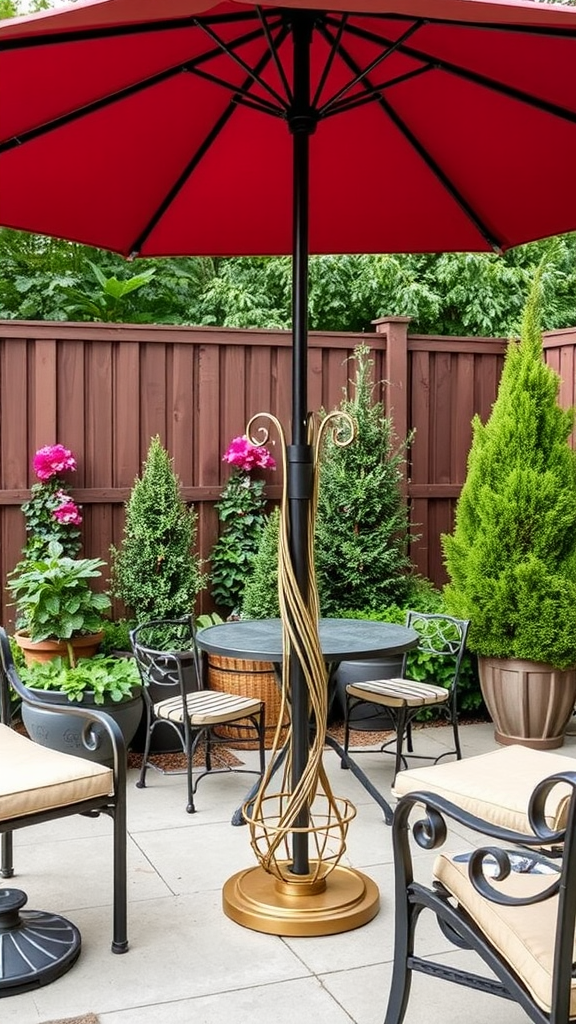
(363, 526)
(511, 559)
(155, 572)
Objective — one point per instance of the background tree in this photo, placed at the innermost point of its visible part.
(446, 293)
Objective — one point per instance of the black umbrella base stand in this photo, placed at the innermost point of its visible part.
(344, 900)
(35, 947)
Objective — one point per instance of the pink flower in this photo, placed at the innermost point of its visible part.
(242, 454)
(52, 460)
(68, 511)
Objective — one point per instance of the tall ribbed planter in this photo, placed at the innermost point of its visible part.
(529, 702)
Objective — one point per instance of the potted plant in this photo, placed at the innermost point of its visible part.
(511, 559)
(101, 681)
(58, 613)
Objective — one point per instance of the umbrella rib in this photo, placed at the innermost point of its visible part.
(373, 93)
(191, 66)
(250, 72)
(443, 65)
(138, 242)
(361, 75)
(330, 61)
(273, 47)
(441, 176)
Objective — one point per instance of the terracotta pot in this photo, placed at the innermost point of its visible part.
(47, 650)
(529, 702)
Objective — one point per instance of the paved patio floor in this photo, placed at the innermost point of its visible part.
(187, 961)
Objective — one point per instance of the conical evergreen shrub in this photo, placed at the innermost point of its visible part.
(511, 559)
(363, 527)
(156, 572)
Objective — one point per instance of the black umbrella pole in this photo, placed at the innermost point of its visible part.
(299, 453)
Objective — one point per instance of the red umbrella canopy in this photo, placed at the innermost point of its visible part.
(163, 127)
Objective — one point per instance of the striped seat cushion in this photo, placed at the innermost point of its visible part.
(208, 707)
(398, 692)
(34, 778)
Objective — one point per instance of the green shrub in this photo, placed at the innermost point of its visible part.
(260, 600)
(156, 572)
(362, 528)
(512, 556)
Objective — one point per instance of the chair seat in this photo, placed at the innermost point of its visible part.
(398, 692)
(208, 707)
(495, 786)
(524, 936)
(35, 778)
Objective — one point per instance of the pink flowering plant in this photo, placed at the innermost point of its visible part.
(51, 514)
(242, 516)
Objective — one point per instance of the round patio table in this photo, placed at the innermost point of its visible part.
(340, 640)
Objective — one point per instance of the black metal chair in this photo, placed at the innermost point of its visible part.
(506, 900)
(170, 668)
(403, 698)
(38, 784)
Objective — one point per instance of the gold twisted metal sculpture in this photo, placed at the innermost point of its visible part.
(274, 816)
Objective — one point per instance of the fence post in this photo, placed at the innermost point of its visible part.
(395, 331)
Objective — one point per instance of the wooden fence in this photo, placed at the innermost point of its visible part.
(104, 391)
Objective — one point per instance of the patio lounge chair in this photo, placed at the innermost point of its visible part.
(38, 784)
(513, 906)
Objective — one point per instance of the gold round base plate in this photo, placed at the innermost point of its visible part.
(254, 899)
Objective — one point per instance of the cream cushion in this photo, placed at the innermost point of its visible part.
(495, 786)
(524, 936)
(208, 707)
(34, 778)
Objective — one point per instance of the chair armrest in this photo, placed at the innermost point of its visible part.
(90, 715)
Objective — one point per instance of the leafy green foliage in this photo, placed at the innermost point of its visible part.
(104, 677)
(362, 522)
(512, 556)
(156, 572)
(116, 635)
(106, 300)
(446, 293)
(53, 596)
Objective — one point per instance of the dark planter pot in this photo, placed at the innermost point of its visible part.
(365, 717)
(61, 731)
(529, 702)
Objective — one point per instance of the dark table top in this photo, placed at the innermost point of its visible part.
(340, 639)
